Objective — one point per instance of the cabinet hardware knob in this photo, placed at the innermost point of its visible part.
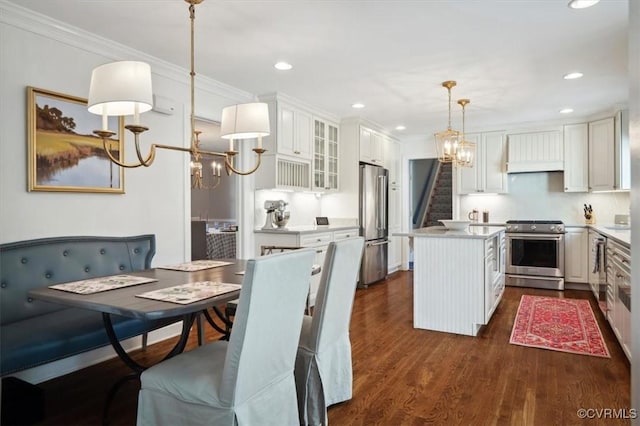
(296, 152)
(565, 188)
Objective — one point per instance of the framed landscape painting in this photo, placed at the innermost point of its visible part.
(64, 154)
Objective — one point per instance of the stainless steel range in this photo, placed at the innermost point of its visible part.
(535, 254)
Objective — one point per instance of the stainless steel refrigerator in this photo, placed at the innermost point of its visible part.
(374, 223)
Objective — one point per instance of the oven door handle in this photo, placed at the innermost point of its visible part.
(517, 236)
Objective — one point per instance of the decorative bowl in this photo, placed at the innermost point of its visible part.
(458, 225)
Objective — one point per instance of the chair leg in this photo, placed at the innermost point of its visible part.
(145, 339)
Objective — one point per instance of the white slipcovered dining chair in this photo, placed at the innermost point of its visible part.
(323, 370)
(249, 379)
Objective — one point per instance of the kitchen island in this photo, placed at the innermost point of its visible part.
(458, 277)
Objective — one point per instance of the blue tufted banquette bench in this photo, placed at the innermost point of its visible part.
(34, 332)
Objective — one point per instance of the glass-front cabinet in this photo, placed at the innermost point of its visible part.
(325, 155)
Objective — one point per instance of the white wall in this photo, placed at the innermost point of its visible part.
(41, 53)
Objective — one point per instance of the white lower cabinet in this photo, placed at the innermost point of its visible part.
(619, 293)
(319, 241)
(576, 255)
(394, 260)
(494, 268)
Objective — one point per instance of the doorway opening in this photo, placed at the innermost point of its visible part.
(214, 219)
(430, 194)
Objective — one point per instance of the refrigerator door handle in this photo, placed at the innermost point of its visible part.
(381, 201)
(381, 243)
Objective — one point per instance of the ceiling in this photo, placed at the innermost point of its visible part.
(508, 57)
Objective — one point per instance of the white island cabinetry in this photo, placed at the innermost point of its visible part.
(458, 277)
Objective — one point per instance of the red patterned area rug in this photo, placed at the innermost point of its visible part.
(565, 325)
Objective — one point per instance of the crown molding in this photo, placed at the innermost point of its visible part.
(28, 20)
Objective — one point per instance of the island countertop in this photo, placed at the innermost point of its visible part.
(307, 229)
(482, 232)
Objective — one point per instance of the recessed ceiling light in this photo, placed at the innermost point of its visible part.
(581, 4)
(401, 127)
(566, 111)
(573, 75)
(283, 66)
(357, 105)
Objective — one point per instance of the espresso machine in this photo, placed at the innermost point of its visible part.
(276, 214)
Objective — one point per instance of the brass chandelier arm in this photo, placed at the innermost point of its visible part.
(228, 162)
(106, 134)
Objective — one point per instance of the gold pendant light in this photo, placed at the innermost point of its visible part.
(465, 156)
(447, 141)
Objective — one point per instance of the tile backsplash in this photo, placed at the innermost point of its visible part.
(541, 196)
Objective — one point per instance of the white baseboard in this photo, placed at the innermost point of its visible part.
(68, 365)
(576, 286)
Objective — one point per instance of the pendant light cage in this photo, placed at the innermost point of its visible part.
(466, 153)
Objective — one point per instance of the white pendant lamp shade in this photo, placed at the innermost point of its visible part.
(245, 121)
(121, 88)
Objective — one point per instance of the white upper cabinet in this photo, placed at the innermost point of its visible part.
(293, 132)
(622, 151)
(325, 155)
(291, 128)
(371, 146)
(393, 159)
(488, 173)
(602, 155)
(576, 157)
(597, 156)
(535, 152)
(469, 179)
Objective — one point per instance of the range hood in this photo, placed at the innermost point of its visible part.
(535, 152)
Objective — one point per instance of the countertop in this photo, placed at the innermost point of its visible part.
(475, 231)
(623, 236)
(306, 229)
(620, 233)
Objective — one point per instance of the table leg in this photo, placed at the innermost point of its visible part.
(215, 326)
(200, 326)
(187, 323)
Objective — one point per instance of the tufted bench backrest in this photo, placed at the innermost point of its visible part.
(31, 264)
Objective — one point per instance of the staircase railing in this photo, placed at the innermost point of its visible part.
(425, 197)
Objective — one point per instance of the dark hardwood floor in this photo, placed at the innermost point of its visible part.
(404, 376)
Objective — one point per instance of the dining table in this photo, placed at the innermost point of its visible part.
(126, 301)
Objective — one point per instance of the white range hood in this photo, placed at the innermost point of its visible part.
(535, 152)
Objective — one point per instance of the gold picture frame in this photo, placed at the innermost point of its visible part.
(63, 153)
